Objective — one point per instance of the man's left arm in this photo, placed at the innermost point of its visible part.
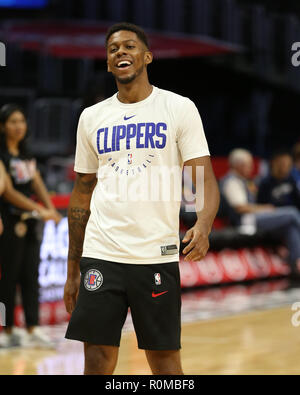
(198, 235)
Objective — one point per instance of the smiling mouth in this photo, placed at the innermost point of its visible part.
(124, 65)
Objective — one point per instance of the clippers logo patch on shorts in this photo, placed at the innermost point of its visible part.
(93, 280)
(169, 250)
(157, 279)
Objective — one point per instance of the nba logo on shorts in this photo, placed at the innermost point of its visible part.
(157, 279)
(93, 280)
(130, 159)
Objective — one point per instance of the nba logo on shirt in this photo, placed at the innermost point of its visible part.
(130, 159)
(157, 279)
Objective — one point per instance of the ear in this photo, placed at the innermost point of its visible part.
(148, 57)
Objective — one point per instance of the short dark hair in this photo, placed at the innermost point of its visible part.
(279, 153)
(128, 27)
(296, 151)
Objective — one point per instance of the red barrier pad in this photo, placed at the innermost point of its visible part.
(230, 266)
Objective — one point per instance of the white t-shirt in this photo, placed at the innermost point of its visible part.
(138, 151)
(235, 192)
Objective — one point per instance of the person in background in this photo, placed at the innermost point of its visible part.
(279, 188)
(238, 190)
(296, 168)
(20, 241)
(16, 198)
(2, 187)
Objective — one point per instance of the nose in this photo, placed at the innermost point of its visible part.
(121, 51)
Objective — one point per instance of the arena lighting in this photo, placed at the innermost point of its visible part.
(23, 3)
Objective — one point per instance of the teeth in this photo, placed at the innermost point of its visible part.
(124, 63)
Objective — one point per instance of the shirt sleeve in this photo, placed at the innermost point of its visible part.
(235, 192)
(191, 137)
(86, 159)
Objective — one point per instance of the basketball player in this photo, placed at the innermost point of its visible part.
(128, 251)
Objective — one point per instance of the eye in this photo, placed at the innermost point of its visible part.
(113, 50)
(130, 46)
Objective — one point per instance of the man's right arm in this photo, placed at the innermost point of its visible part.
(78, 216)
(236, 196)
(252, 208)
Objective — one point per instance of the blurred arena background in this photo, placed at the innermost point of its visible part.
(236, 59)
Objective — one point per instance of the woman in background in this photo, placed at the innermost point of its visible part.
(20, 241)
(2, 187)
(18, 199)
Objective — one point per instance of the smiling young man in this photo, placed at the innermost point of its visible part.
(126, 248)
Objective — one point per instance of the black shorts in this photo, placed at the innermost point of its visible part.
(108, 289)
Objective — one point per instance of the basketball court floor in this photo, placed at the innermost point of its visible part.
(242, 329)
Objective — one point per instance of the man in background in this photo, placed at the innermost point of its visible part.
(279, 188)
(238, 189)
(296, 168)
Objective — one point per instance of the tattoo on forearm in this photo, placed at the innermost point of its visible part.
(78, 218)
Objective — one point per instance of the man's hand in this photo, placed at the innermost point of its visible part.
(49, 214)
(268, 208)
(199, 243)
(198, 235)
(71, 293)
(56, 216)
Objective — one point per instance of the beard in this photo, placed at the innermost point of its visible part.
(130, 78)
(126, 80)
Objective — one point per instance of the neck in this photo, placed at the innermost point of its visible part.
(13, 147)
(237, 173)
(279, 177)
(135, 91)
